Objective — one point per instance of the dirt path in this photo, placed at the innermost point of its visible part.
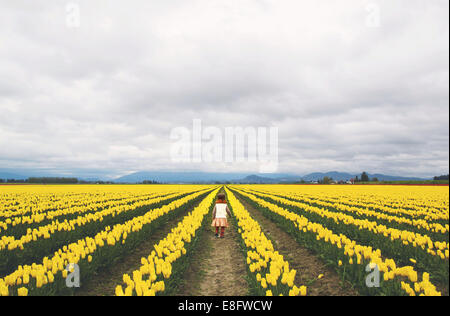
(104, 283)
(308, 266)
(218, 267)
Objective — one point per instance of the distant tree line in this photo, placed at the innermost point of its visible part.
(364, 177)
(150, 182)
(326, 180)
(59, 180)
(94, 182)
(444, 177)
(42, 180)
(55, 180)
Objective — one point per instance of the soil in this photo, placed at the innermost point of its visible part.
(218, 267)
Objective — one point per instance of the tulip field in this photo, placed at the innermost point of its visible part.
(396, 235)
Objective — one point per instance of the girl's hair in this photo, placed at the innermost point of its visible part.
(221, 196)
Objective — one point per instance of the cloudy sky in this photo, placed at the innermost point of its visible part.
(96, 86)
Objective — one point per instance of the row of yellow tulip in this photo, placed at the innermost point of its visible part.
(271, 271)
(46, 203)
(402, 208)
(415, 198)
(429, 203)
(34, 199)
(357, 255)
(45, 231)
(435, 248)
(149, 279)
(36, 276)
(342, 206)
(87, 207)
(16, 203)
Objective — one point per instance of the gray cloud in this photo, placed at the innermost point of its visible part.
(106, 95)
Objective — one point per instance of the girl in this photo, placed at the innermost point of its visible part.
(220, 215)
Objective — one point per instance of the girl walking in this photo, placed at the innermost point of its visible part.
(220, 215)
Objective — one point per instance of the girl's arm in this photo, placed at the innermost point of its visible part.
(228, 211)
(214, 212)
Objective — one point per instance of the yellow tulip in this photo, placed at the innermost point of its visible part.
(22, 291)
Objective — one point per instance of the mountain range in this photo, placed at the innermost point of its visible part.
(200, 177)
(206, 177)
(211, 177)
(9, 175)
(343, 176)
